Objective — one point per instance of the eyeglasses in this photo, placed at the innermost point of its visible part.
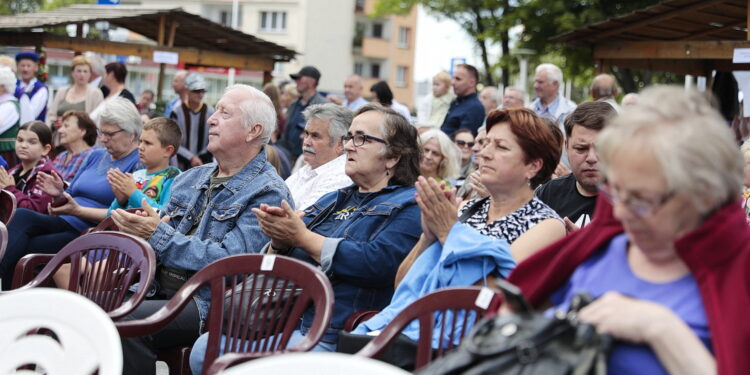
(359, 139)
(461, 143)
(641, 207)
(108, 135)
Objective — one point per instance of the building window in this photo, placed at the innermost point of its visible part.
(358, 68)
(375, 70)
(224, 18)
(403, 37)
(273, 22)
(402, 73)
(377, 30)
(359, 6)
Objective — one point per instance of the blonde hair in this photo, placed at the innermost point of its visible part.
(689, 140)
(443, 77)
(9, 62)
(80, 60)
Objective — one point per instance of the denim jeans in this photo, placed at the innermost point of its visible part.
(199, 349)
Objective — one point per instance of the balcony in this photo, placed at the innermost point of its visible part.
(375, 47)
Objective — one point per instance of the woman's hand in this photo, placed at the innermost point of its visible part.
(70, 207)
(142, 223)
(626, 318)
(477, 186)
(283, 225)
(439, 208)
(123, 185)
(51, 183)
(6, 179)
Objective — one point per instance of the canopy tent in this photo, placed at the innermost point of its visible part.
(680, 36)
(196, 40)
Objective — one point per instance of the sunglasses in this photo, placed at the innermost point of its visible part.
(464, 143)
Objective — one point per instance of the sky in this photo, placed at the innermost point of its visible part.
(438, 41)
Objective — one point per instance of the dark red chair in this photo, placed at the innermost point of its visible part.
(225, 274)
(129, 259)
(3, 239)
(424, 309)
(8, 206)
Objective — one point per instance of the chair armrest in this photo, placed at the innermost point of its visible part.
(357, 318)
(26, 268)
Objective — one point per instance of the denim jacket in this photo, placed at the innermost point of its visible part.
(228, 226)
(362, 255)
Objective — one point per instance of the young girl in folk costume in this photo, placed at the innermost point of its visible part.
(10, 115)
(33, 143)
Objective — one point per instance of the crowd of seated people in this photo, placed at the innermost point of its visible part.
(390, 209)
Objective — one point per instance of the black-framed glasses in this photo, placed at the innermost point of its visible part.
(360, 139)
(108, 135)
(641, 207)
(461, 143)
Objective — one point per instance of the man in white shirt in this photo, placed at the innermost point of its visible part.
(352, 93)
(323, 152)
(32, 94)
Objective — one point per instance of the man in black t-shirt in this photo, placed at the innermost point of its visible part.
(574, 196)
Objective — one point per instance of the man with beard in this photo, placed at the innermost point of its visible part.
(574, 196)
(323, 151)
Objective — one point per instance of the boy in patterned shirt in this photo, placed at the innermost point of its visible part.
(159, 141)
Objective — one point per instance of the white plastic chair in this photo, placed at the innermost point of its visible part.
(86, 337)
(315, 363)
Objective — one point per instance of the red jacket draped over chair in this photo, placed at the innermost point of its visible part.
(717, 253)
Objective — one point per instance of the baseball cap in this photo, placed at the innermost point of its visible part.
(308, 71)
(195, 82)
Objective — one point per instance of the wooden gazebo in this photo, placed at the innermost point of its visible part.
(196, 40)
(680, 36)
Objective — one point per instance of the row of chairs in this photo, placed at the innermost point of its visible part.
(130, 261)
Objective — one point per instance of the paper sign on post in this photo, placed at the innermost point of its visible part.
(267, 263)
(741, 55)
(166, 57)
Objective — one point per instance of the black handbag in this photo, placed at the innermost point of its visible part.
(529, 343)
(259, 301)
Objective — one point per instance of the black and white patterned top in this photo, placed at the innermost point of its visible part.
(512, 226)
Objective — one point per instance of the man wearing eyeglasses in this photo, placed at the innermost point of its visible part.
(323, 152)
(574, 196)
(192, 115)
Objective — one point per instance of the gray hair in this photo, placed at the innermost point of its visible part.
(97, 64)
(258, 110)
(339, 119)
(516, 89)
(450, 165)
(689, 140)
(123, 113)
(7, 79)
(554, 74)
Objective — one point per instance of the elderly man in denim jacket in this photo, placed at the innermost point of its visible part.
(207, 218)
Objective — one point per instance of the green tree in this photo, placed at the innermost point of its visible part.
(11, 7)
(487, 21)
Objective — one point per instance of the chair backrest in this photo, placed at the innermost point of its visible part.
(243, 341)
(449, 312)
(315, 364)
(103, 266)
(3, 239)
(7, 206)
(85, 339)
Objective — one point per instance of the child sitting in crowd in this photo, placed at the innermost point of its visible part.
(33, 143)
(159, 141)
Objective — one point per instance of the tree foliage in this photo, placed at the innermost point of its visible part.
(11, 7)
(489, 22)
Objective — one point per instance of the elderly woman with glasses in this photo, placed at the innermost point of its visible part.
(84, 203)
(358, 235)
(668, 251)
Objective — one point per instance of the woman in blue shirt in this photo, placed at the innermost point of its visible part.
(79, 206)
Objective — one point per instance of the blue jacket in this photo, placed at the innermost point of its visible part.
(228, 226)
(464, 112)
(466, 257)
(363, 247)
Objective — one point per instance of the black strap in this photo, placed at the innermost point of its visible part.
(472, 210)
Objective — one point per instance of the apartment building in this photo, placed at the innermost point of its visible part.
(336, 36)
